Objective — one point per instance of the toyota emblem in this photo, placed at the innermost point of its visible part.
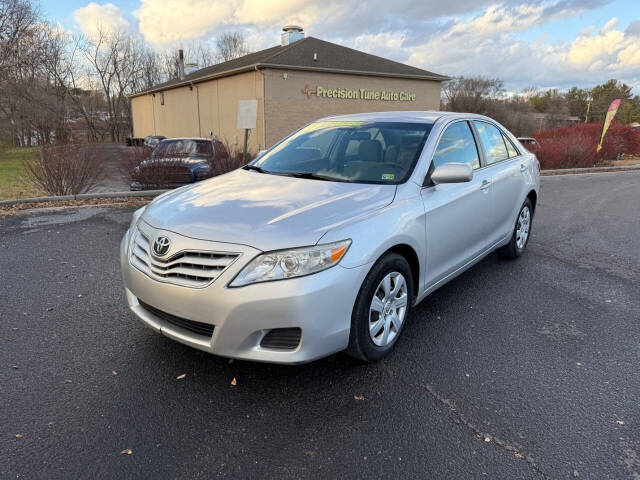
(161, 246)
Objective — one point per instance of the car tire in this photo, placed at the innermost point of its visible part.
(370, 320)
(516, 245)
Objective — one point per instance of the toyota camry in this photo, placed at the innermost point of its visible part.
(328, 239)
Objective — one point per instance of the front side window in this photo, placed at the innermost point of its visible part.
(457, 145)
(492, 142)
(349, 151)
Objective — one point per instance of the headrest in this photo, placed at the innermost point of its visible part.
(370, 151)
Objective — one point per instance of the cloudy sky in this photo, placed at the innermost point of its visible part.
(544, 43)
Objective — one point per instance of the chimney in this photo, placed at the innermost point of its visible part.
(290, 34)
(181, 64)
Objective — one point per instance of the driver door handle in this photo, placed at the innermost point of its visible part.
(485, 184)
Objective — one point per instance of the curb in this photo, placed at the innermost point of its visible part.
(155, 193)
(566, 171)
(83, 196)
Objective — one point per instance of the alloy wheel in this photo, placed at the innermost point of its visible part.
(388, 309)
(523, 227)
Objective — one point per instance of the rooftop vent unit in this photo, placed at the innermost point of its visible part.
(190, 68)
(290, 34)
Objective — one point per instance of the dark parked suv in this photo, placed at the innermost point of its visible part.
(178, 161)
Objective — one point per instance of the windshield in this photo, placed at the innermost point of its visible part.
(177, 148)
(362, 152)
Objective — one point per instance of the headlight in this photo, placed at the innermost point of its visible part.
(202, 172)
(136, 216)
(296, 262)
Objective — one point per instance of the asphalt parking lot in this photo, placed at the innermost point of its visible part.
(517, 369)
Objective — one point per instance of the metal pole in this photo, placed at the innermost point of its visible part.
(246, 139)
(586, 118)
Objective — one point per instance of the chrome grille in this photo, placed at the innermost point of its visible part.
(187, 268)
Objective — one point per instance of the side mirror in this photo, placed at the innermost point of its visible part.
(452, 172)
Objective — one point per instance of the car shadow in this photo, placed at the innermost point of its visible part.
(426, 326)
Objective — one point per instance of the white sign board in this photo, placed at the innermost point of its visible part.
(247, 113)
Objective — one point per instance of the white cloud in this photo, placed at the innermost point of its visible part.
(164, 22)
(587, 50)
(488, 45)
(428, 34)
(93, 18)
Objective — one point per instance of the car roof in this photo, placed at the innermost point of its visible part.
(410, 116)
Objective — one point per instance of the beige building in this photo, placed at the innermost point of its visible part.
(294, 83)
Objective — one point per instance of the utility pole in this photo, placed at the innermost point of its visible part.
(586, 118)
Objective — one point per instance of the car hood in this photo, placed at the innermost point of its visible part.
(267, 212)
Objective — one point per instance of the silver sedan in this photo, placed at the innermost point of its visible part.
(327, 240)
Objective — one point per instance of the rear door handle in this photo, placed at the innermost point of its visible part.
(523, 167)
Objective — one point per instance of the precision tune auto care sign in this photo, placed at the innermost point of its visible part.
(359, 94)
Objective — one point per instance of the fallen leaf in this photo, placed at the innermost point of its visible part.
(466, 374)
(310, 453)
(180, 377)
(487, 439)
(79, 295)
(14, 366)
(126, 451)
(365, 457)
(358, 397)
(576, 473)
(114, 372)
(578, 364)
(18, 435)
(68, 380)
(234, 382)
(619, 422)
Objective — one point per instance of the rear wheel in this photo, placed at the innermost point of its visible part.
(521, 232)
(381, 308)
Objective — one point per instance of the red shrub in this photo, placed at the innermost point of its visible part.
(575, 146)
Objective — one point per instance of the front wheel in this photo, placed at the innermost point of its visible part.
(521, 232)
(381, 308)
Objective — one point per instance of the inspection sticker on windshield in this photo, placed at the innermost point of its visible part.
(388, 176)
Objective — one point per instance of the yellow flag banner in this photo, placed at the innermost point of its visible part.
(613, 109)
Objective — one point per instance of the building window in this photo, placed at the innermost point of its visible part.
(161, 98)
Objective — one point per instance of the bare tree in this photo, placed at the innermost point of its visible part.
(471, 94)
(116, 69)
(17, 18)
(65, 169)
(197, 52)
(231, 45)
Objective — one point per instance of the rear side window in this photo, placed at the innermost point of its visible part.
(511, 150)
(457, 145)
(492, 142)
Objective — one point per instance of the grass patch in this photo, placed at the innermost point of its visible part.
(13, 183)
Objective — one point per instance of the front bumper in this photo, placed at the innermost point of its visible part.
(320, 305)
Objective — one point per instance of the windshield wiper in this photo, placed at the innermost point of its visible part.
(314, 176)
(256, 168)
